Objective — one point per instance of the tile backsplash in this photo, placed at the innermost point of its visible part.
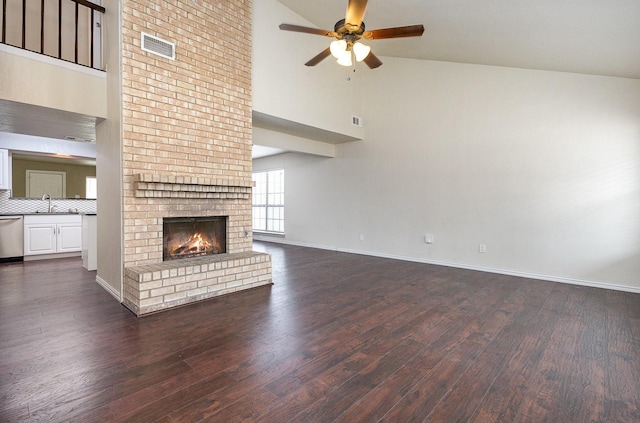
(10, 205)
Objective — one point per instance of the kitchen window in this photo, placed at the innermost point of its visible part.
(91, 188)
(268, 201)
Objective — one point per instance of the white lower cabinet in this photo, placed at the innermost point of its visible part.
(52, 234)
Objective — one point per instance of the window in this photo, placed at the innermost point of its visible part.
(91, 188)
(268, 201)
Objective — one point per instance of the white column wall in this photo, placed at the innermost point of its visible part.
(109, 163)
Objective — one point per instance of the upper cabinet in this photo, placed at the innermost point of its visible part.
(4, 169)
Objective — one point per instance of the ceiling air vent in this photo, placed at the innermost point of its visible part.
(157, 46)
(355, 120)
(72, 138)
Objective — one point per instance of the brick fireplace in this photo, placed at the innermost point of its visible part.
(154, 284)
(186, 149)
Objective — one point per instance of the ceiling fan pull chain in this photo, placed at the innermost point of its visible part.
(350, 71)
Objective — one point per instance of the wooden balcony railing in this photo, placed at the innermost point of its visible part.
(65, 29)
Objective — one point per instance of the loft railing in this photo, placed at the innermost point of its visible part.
(65, 29)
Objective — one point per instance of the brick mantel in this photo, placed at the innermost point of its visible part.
(172, 186)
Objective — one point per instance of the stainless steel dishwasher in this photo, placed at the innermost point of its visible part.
(11, 238)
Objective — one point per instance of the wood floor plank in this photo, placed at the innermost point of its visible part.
(622, 396)
(158, 406)
(474, 337)
(462, 401)
(335, 402)
(377, 401)
(339, 338)
(570, 381)
(503, 400)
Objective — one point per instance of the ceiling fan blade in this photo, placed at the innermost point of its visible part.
(306, 30)
(397, 32)
(319, 58)
(372, 60)
(355, 14)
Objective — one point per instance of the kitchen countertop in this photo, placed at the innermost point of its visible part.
(38, 213)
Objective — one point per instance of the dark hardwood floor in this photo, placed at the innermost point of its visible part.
(338, 338)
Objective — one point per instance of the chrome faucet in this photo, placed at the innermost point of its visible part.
(47, 197)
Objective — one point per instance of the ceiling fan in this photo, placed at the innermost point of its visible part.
(348, 32)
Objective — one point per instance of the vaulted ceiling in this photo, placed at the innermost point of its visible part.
(600, 37)
(597, 37)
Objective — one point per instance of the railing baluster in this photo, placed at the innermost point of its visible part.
(76, 35)
(59, 29)
(24, 23)
(4, 21)
(47, 13)
(91, 38)
(41, 26)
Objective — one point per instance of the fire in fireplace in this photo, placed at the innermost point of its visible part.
(185, 237)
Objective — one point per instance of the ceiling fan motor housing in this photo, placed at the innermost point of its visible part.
(341, 29)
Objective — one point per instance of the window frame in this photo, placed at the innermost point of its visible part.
(272, 202)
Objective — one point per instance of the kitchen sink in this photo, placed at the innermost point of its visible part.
(54, 212)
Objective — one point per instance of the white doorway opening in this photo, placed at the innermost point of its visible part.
(41, 182)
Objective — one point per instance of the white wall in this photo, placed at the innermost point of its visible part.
(318, 96)
(286, 142)
(30, 78)
(542, 167)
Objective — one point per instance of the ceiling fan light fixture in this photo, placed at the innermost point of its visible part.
(338, 48)
(345, 60)
(361, 51)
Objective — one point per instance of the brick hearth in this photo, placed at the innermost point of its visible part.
(156, 287)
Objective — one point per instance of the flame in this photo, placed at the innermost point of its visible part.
(195, 245)
(198, 243)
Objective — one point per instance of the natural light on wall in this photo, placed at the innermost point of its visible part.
(91, 188)
(268, 201)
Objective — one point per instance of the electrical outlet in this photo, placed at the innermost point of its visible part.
(361, 237)
(482, 248)
(428, 239)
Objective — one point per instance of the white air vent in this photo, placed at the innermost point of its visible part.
(355, 120)
(157, 46)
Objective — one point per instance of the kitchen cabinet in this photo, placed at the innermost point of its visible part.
(4, 169)
(52, 234)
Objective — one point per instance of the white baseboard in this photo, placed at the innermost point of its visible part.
(111, 290)
(550, 278)
(280, 240)
(51, 256)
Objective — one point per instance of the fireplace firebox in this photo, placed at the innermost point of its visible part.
(185, 237)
